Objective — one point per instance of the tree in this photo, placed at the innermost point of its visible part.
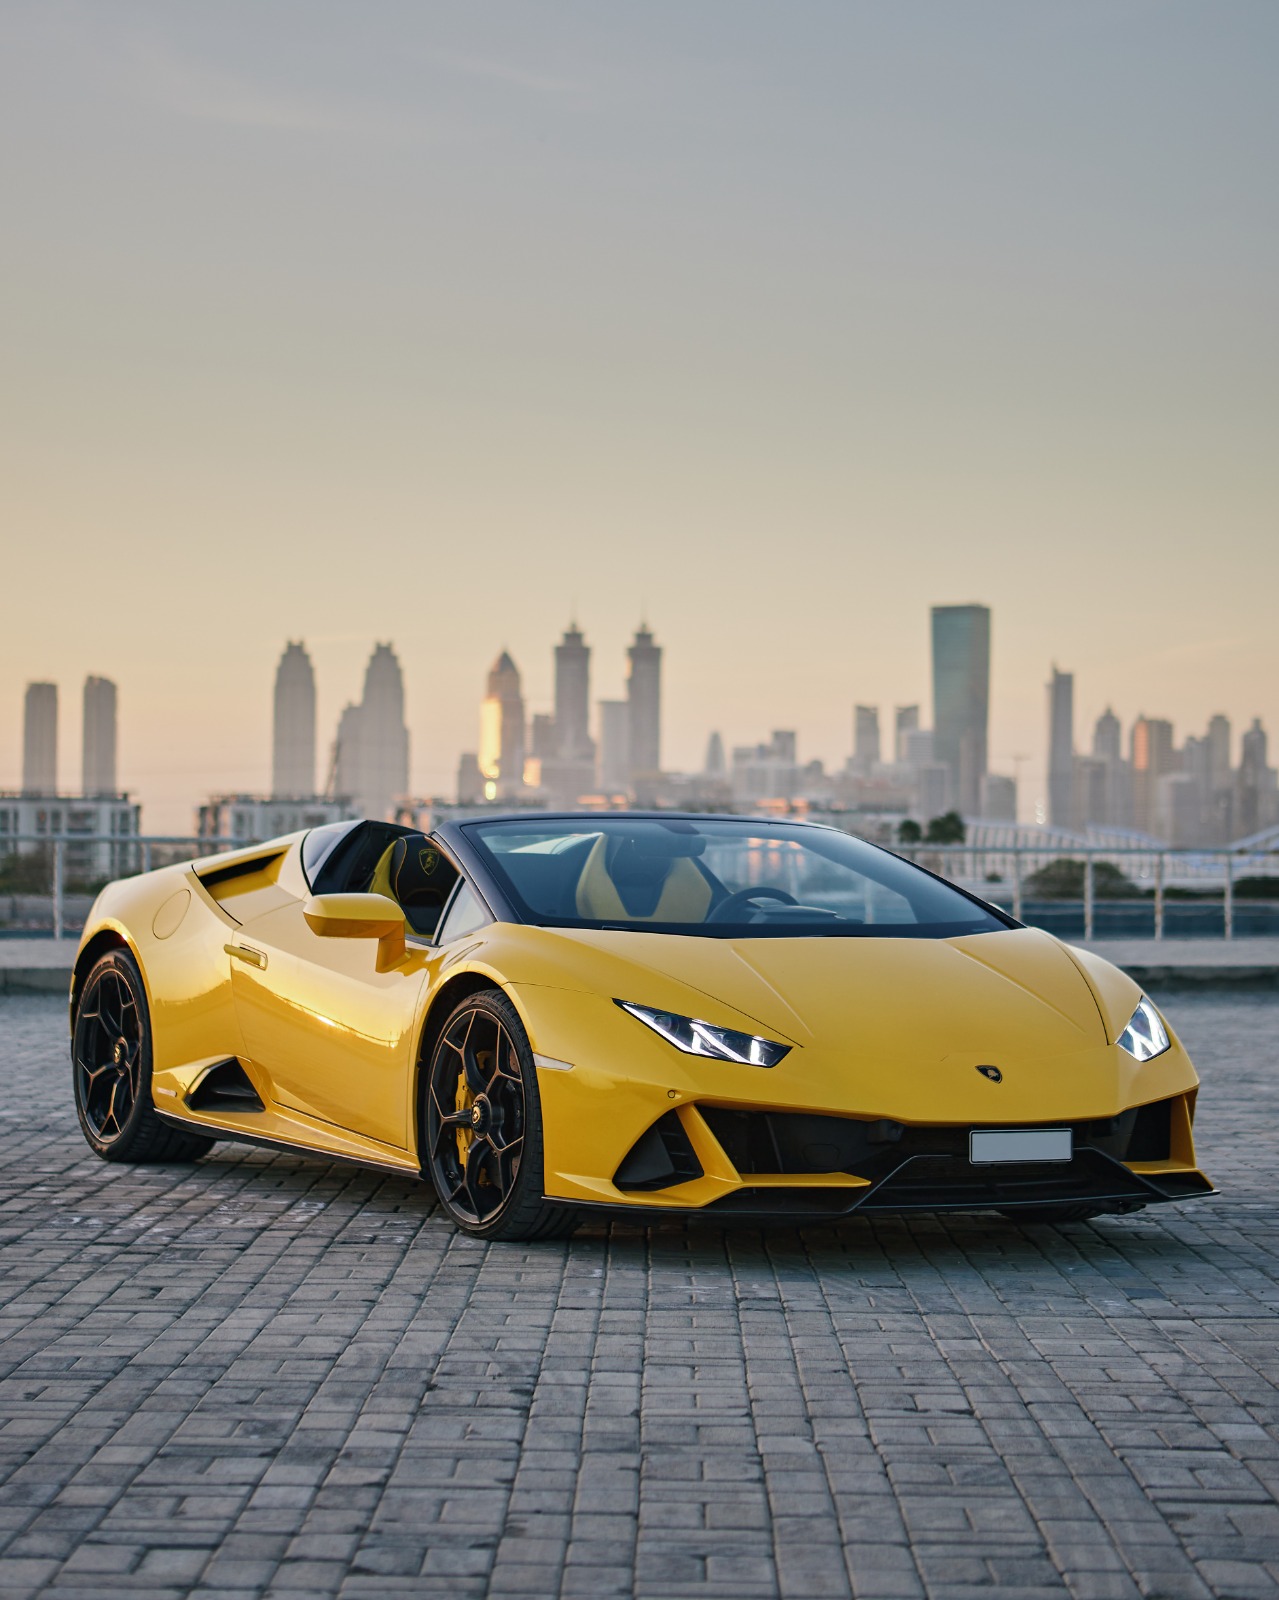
(909, 832)
(947, 829)
(1064, 880)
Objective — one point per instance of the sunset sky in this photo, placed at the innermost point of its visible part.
(775, 323)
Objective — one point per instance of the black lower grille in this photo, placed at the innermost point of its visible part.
(947, 1183)
(660, 1158)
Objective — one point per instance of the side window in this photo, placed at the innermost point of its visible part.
(465, 915)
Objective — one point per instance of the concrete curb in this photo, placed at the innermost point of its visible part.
(1173, 977)
(35, 980)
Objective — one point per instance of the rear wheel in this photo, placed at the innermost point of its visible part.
(111, 1070)
(482, 1125)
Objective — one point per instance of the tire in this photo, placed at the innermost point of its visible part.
(481, 1125)
(111, 1070)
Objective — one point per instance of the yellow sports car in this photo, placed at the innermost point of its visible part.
(638, 1012)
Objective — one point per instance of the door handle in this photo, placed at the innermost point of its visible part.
(244, 952)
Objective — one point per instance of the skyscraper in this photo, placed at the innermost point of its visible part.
(906, 722)
(1061, 749)
(714, 767)
(865, 738)
(293, 744)
(573, 697)
(346, 755)
(371, 757)
(1218, 752)
(614, 765)
(98, 738)
(40, 739)
(1106, 736)
(1153, 757)
(644, 697)
(961, 697)
(502, 731)
(384, 739)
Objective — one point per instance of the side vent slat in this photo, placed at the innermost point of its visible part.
(225, 1087)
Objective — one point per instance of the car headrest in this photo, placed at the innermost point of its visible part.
(420, 873)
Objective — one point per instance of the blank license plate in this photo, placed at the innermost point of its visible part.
(1019, 1144)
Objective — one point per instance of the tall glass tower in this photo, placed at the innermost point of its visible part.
(1061, 749)
(502, 723)
(644, 697)
(293, 743)
(40, 739)
(573, 697)
(961, 698)
(98, 738)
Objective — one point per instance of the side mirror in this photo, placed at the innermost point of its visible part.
(359, 916)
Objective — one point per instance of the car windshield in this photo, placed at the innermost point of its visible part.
(718, 877)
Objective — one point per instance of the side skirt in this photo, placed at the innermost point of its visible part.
(236, 1136)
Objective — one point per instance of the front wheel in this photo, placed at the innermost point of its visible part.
(482, 1125)
(111, 1070)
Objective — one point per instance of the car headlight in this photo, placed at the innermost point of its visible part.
(697, 1038)
(1145, 1037)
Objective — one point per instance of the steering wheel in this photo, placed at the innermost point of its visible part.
(727, 909)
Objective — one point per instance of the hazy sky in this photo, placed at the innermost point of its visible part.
(778, 323)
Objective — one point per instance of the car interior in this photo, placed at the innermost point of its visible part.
(385, 858)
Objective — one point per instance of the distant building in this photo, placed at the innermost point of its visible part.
(573, 698)
(543, 742)
(714, 766)
(293, 725)
(1219, 773)
(768, 771)
(644, 698)
(502, 732)
(1061, 749)
(998, 798)
(470, 780)
(934, 790)
(249, 818)
(48, 818)
(865, 738)
(961, 697)
(1153, 757)
(613, 768)
(40, 739)
(371, 753)
(917, 748)
(1107, 737)
(98, 738)
(905, 722)
(1257, 798)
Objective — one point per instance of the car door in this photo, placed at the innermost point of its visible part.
(333, 1035)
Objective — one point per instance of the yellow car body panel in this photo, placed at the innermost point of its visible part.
(898, 1031)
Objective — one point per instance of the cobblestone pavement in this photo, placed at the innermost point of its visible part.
(263, 1376)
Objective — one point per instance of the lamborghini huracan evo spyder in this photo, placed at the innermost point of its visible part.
(643, 1012)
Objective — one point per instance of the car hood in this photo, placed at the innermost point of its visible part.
(987, 994)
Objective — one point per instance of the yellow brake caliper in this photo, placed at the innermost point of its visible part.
(462, 1102)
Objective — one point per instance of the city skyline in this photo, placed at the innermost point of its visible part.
(1134, 775)
(428, 332)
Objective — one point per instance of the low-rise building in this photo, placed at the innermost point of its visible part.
(246, 818)
(97, 831)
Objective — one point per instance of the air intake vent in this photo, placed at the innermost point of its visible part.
(659, 1158)
(225, 1087)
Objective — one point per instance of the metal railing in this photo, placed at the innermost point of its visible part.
(1002, 873)
(1198, 870)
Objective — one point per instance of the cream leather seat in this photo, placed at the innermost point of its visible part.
(659, 888)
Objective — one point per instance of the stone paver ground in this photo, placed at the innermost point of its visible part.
(266, 1376)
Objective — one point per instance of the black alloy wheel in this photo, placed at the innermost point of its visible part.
(111, 1068)
(482, 1131)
